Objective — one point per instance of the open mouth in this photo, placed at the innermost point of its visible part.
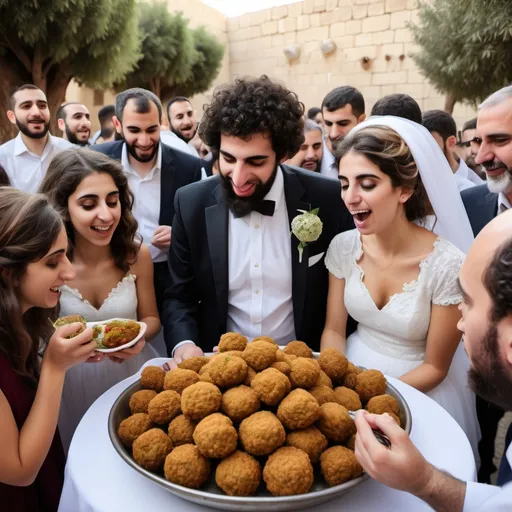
(360, 216)
(102, 229)
(55, 289)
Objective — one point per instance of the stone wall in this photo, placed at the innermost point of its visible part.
(362, 29)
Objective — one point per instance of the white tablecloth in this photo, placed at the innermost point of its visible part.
(98, 480)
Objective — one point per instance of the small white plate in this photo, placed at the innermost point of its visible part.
(143, 328)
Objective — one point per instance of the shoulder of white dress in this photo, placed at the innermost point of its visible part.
(345, 241)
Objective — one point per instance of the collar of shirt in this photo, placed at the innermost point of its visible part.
(463, 169)
(20, 147)
(125, 162)
(276, 192)
(503, 200)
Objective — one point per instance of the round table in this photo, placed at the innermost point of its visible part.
(98, 480)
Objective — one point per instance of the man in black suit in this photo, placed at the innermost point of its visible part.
(234, 264)
(494, 140)
(154, 171)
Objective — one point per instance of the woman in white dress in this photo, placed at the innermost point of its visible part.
(396, 278)
(114, 271)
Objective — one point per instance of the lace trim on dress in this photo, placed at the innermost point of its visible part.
(112, 293)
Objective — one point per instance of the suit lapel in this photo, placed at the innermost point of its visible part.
(166, 183)
(217, 233)
(294, 192)
(490, 207)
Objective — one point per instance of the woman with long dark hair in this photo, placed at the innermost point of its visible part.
(114, 271)
(33, 267)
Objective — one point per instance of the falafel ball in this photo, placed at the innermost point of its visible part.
(309, 440)
(205, 377)
(232, 341)
(395, 417)
(200, 400)
(298, 348)
(164, 407)
(333, 363)
(351, 443)
(132, 427)
(348, 398)
(335, 422)
(238, 475)
(179, 379)
(349, 379)
(268, 339)
(250, 376)
(215, 436)
(338, 465)
(261, 433)
(139, 401)
(152, 377)
(370, 383)
(324, 380)
(181, 430)
(271, 386)
(323, 394)
(186, 466)
(304, 372)
(259, 355)
(151, 448)
(298, 410)
(282, 366)
(193, 363)
(383, 403)
(240, 402)
(288, 471)
(280, 356)
(227, 371)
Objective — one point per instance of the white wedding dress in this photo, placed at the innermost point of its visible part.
(86, 382)
(393, 339)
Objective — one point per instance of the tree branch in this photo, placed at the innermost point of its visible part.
(47, 66)
(20, 54)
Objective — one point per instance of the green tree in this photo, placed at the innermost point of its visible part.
(465, 47)
(175, 59)
(50, 42)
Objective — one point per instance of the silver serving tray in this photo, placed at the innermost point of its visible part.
(211, 496)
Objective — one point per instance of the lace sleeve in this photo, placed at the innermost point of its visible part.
(339, 254)
(445, 271)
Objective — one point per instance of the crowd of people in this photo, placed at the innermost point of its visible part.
(186, 227)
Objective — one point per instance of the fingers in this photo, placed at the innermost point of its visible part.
(128, 353)
(96, 358)
(69, 329)
(170, 365)
(216, 348)
(388, 426)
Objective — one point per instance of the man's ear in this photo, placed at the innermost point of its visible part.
(117, 125)
(11, 116)
(361, 118)
(451, 142)
(61, 124)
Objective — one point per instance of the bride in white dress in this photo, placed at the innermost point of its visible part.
(114, 272)
(393, 276)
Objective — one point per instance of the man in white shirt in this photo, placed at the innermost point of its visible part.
(486, 285)
(182, 120)
(233, 264)
(74, 121)
(309, 156)
(466, 149)
(154, 171)
(444, 130)
(342, 109)
(27, 157)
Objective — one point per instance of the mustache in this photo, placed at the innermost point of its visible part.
(492, 165)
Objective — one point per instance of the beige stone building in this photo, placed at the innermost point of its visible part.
(363, 43)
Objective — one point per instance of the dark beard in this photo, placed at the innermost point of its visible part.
(181, 136)
(487, 375)
(241, 206)
(23, 128)
(73, 138)
(133, 152)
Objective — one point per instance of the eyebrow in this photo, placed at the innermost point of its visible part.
(59, 251)
(253, 157)
(463, 292)
(360, 177)
(95, 196)
(139, 128)
(498, 135)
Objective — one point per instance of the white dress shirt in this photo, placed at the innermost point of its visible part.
(260, 273)
(489, 498)
(503, 203)
(25, 169)
(146, 205)
(465, 172)
(171, 139)
(328, 168)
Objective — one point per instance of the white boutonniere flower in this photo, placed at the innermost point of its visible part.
(307, 227)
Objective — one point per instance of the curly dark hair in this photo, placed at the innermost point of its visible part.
(497, 280)
(388, 151)
(66, 171)
(255, 105)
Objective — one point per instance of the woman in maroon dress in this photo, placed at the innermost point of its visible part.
(33, 265)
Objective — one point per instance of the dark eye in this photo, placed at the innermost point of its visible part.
(344, 187)
(88, 207)
(368, 186)
(112, 204)
(51, 264)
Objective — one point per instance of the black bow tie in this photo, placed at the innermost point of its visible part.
(265, 207)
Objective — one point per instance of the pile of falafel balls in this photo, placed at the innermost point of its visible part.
(253, 406)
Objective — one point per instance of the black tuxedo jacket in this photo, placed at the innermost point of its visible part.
(178, 169)
(196, 303)
(481, 206)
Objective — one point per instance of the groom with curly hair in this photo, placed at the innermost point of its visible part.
(234, 264)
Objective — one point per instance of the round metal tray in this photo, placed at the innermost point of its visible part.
(211, 496)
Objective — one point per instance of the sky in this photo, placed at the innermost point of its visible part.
(238, 7)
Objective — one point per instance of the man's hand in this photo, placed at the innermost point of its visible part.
(183, 352)
(402, 466)
(162, 238)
